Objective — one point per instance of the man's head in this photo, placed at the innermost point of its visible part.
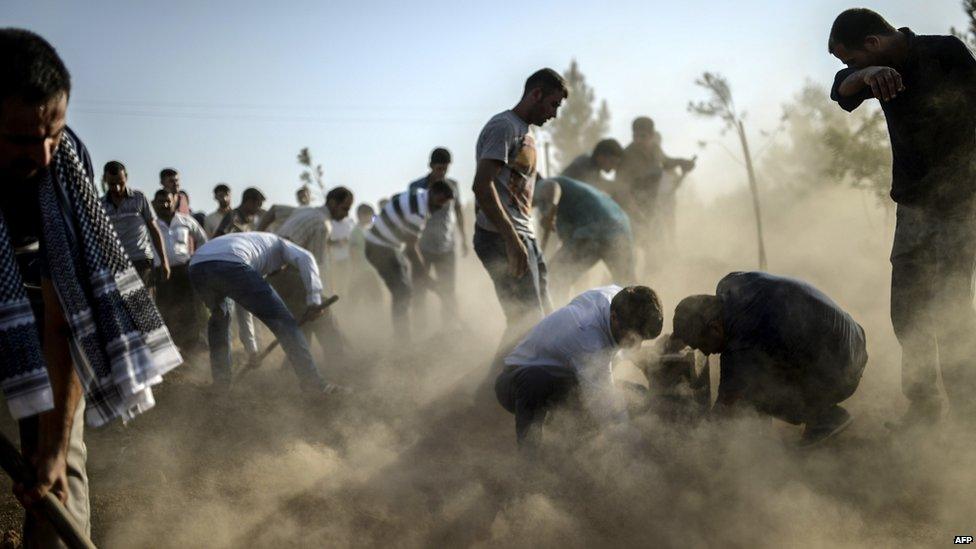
(339, 202)
(303, 195)
(544, 92)
(115, 176)
(861, 38)
(164, 203)
(34, 90)
(607, 154)
(643, 131)
(438, 194)
(635, 315)
(365, 214)
(699, 323)
(251, 201)
(170, 180)
(440, 161)
(221, 194)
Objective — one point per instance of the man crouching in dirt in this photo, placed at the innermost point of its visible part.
(787, 349)
(567, 356)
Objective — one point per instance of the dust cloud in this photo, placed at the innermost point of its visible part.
(421, 457)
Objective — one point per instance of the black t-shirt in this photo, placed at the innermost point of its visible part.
(932, 123)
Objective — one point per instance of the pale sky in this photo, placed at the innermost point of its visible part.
(230, 91)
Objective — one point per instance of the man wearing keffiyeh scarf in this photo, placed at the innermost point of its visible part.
(81, 323)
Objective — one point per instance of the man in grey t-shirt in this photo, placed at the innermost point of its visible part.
(437, 241)
(504, 237)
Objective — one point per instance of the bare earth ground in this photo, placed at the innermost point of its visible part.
(419, 458)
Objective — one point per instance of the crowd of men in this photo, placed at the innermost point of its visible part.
(102, 295)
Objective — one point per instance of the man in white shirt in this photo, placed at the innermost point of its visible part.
(234, 266)
(568, 355)
(181, 235)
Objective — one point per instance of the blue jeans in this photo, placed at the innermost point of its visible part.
(215, 282)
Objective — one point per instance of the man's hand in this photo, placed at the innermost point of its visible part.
(52, 476)
(164, 268)
(885, 82)
(518, 256)
(464, 248)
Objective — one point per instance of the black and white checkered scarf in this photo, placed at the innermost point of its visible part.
(119, 343)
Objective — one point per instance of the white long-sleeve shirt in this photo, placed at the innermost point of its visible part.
(578, 336)
(180, 234)
(265, 253)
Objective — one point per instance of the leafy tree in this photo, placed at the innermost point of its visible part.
(579, 125)
(824, 145)
(312, 173)
(969, 35)
(720, 105)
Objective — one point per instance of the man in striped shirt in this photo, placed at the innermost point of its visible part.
(395, 233)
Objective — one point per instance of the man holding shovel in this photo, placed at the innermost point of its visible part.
(233, 267)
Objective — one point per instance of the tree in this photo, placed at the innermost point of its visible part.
(312, 173)
(579, 126)
(824, 145)
(969, 35)
(720, 105)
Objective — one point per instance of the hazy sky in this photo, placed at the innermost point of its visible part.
(230, 91)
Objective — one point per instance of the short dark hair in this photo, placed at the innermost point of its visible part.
(642, 123)
(639, 309)
(30, 67)
(221, 188)
(440, 155)
(161, 193)
(167, 172)
(608, 147)
(338, 194)
(113, 167)
(442, 188)
(251, 193)
(854, 25)
(549, 80)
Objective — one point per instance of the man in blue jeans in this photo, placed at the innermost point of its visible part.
(233, 267)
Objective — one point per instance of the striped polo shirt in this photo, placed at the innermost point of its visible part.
(403, 218)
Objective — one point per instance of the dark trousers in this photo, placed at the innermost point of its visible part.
(444, 284)
(180, 308)
(394, 269)
(524, 300)
(144, 268)
(530, 392)
(576, 256)
(801, 396)
(932, 275)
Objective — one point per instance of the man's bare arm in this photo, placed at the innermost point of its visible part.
(459, 213)
(55, 425)
(157, 238)
(487, 199)
(885, 83)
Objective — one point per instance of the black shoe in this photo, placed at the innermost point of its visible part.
(831, 423)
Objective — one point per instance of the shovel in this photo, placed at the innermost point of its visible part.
(50, 507)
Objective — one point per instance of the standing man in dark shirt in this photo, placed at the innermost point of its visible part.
(787, 349)
(504, 182)
(245, 217)
(588, 168)
(135, 222)
(926, 86)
